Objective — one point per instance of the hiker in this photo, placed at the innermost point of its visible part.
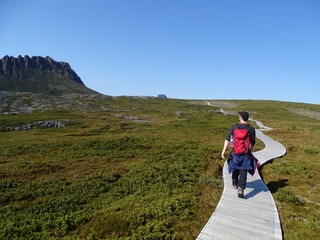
(242, 138)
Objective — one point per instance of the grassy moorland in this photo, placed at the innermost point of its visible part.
(108, 175)
(134, 168)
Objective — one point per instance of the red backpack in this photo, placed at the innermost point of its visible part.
(241, 141)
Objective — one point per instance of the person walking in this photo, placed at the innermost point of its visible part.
(242, 138)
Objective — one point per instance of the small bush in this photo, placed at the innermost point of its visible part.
(287, 195)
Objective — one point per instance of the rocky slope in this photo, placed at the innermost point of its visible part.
(39, 75)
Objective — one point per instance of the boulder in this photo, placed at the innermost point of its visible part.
(162, 96)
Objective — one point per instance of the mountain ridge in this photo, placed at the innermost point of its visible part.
(39, 75)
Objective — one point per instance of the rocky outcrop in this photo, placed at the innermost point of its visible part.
(40, 75)
(162, 96)
(43, 124)
(17, 67)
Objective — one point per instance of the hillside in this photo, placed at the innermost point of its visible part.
(100, 167)
(39, 75)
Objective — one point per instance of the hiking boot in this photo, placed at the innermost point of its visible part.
(240, 193)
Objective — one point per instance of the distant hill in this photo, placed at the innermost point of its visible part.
(39, 75)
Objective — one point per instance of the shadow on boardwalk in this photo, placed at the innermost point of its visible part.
(256, 187)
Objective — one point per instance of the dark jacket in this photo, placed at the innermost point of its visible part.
(251, 130)
(248, 161)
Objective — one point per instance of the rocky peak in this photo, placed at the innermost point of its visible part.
(17, 67)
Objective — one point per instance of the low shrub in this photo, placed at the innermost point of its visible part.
(287, 195)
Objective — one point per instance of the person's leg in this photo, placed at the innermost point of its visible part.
(235, 178)
(242, 183)
(243, 178)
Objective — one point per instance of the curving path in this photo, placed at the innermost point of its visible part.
(253, 217)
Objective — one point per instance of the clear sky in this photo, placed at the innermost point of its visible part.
(200, 49)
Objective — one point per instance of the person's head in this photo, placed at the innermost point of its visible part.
(244, 115)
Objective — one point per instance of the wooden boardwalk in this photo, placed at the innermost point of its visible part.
(253, 217)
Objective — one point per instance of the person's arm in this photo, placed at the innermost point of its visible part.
(225, 145)
(252, 137)
(226, 142)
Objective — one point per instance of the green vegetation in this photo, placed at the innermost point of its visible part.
(104, 176)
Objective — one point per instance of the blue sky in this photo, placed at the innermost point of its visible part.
(204, 49)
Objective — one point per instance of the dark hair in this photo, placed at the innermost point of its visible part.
(244, 115)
